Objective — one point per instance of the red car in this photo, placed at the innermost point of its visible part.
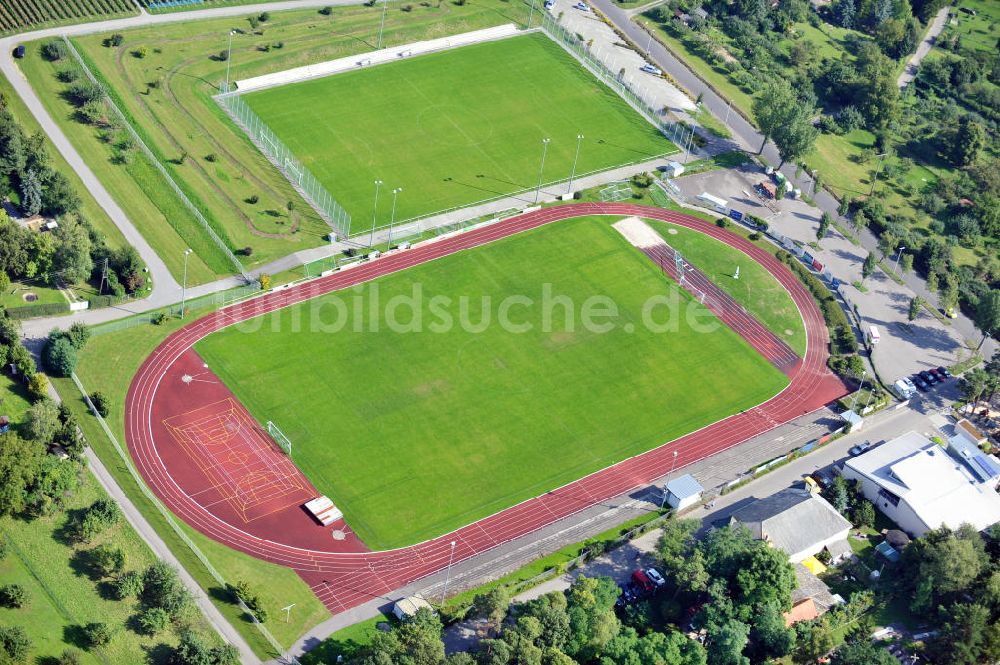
(641, 580)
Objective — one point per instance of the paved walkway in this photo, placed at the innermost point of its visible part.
(746, 137)
(923, 48)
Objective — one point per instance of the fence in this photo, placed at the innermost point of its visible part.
(211, 300)
(169, 518)
(676, 132)
(302, 179)
(151, 156)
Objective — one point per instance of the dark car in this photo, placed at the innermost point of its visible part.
(929, 378)
(19, 52)
(937, 375)
(919, 382)
(824, 478)
(860, 449)
(943, 371)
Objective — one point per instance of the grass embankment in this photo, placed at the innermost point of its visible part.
(451, 128)
(108, 364)
(469, 419)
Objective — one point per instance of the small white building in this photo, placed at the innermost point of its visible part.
(683, 492)
(405, 609)
(714, 202)
(797, 521)
(674, 169)
(921, 486)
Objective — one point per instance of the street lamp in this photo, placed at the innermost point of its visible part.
(385, 6)
(392, 217)
(663, 500)
(579, 139)
(541, 169)
(531, 13)
(878, 169)
(371, 238)
(864, 373)
(896, 262)
(187, 252)
(229, 57)
(447, 577)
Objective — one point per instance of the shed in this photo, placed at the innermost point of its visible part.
(674, 169)
(407, 608)
(683, 492)
(853, 420)
(887, 551)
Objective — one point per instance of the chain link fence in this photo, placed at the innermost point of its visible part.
(302, 179)
(676, 132)
(151, 156)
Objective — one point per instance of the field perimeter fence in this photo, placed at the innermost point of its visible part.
(151, 156)
(678, 133)
(169, 518)
(282, 157)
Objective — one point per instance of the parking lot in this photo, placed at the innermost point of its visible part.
(905, 346)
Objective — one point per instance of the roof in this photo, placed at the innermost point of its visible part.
(794, 519)
(410, 605)
(685, 486)
(810, 586)
(938, 488)
(804, 610)
(965, 449)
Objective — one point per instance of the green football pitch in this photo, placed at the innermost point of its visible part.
(414, 434)
(454, 127)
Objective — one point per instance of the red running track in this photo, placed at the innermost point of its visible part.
(342, 573)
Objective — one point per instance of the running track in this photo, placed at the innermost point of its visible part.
(341, 573)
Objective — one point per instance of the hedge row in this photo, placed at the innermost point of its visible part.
(43, 309)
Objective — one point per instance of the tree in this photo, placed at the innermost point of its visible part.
(59, 356)
(726, 643)
(97, 634)
(15, 643)
(906, 264)
(31, 193)
(72, 256)
(20, 461)
(129, 585)
(491, 606)
(100, 402)
(916, 303)
(964, 635)
(969, 141)
(770, 108)
(796, 135)
(825, 221)
(38, 386)
(812, 639)
(78, 334)
(862, 652)
(101, 515)
(162, 588)
(950, 560)
(864, 514)
(973, 384)
(13, 595)
(987, 317)
(69, 657)
(153, 620)
(875, 91)
(43, 421)
(868, 267)
(107, 560)
(770, 638)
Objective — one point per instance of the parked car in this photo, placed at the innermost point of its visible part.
(641, 580)
(655, 576)
(823, 477)
(919, 382)
(944, 372)
(936, 374)
(651, 69)
(549, 4)
(19, 52)
(928, 377)
(582, 6)
(860, 449)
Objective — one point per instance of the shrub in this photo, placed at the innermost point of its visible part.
(100, 402)
(69, 657)
(85, 91)
(54, 50)
(406, 8)
(15, 641)
(721, 222)
(115, 40)
(97, 634)
(140, 52)
(642, 180)
(326, 11)
(101, 514)
(78, 334)
(577, 195)
(252, 199)
(638, 195)
(754, 236)
(38, 386)
(3, 549)
(211, 157)
(222, 56)
(265, 282)
(279, 45)
(107, 560)
(264, 17)
(13, 595)
(158, 318)
(129, 585)
(247, 251)
(153, 620)
(59, 356)
(67, 75)
(254, 21)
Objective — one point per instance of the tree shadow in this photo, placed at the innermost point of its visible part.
(68, 533)
(159, 654)
(75, 635)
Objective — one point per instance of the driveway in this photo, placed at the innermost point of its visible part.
(906, 346)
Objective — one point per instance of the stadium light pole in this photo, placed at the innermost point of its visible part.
(385, 6)
(864, 373)
(371, 238)
(447, 577)
(229, 57)
(572, 175)
(184, 282)
(531, 12)
(663, 499)
(392, 217)
(541, 169)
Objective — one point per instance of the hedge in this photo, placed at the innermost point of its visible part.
(42, 309)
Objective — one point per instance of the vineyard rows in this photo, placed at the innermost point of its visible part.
(18, 15)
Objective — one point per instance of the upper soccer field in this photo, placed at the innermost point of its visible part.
(454, 127)
(414, 434)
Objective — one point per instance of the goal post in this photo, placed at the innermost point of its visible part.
(279, 437)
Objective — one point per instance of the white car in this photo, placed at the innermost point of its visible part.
(650, 69)
(582, 6)
(654, 575)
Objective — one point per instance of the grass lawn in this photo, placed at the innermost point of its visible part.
(756, 289)
(107, 364)
(62, 595)
(168, 93)
(452, 128)
(455, 420)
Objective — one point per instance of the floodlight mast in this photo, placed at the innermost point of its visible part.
(385, 6)
(371, 238)
(392, 217)
(229, 57)
(572, 175)
(541, 169)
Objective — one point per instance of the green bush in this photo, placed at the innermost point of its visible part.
(59, 356)
(69, 657)
(153, 620)
(97, 634)
(13, 595)
(54, 50)
(100, 402)
(15, 641)
(129, 585)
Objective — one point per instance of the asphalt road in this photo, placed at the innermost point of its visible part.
(746, 137)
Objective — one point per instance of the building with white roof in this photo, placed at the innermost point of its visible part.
(922, 486)
(683, 492)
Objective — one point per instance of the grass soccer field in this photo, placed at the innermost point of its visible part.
(414, 434)
(454, 127)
